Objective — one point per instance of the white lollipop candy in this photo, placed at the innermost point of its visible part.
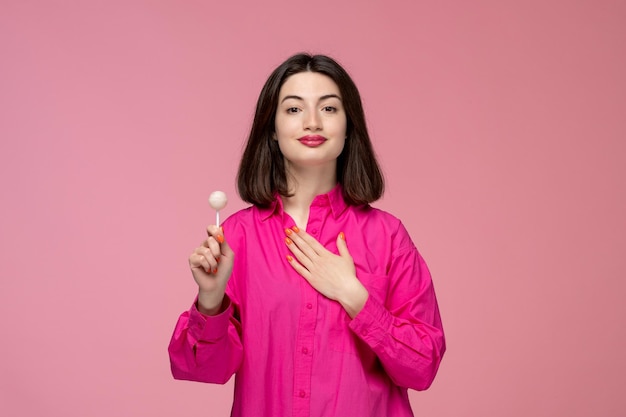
(218, 201)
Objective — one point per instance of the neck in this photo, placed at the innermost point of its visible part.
(305, 183)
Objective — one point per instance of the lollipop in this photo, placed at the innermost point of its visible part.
(218, 201)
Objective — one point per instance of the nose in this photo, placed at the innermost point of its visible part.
(312, 120)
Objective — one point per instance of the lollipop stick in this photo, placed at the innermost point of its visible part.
(217, 218)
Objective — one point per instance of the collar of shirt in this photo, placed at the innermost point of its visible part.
(334, 199)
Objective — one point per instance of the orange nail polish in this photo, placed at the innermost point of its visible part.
(220, 238)
(289, 258)
(214, 270)
(295, 229)
(288, 241)
(342, 236)
(217, 259)
(288, 231)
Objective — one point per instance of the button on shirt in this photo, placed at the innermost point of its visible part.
(293, 351)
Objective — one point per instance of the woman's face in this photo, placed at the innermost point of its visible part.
(310, 121)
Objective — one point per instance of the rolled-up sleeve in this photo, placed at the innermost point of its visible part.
(405, 330)
(206, 348)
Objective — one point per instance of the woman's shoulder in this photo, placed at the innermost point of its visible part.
(244, 217)
(385, 223)
(377, 215)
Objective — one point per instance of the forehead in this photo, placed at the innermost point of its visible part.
(309, 85)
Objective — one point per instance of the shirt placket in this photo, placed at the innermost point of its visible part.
(303, 361)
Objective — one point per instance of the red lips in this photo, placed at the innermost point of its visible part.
(312, 140)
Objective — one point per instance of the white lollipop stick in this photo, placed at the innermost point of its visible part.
(218, 201)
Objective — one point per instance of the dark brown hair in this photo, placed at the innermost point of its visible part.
(262, 168)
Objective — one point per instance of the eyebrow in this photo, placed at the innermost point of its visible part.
(322, 98)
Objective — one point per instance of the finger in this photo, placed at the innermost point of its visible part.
(298, 267)
(217, 234)
(311, 241)
(210, 256)
(342, 246)
(211, 260)
(302, 257)
(305, 242)
(199, 261)
(226, 250)
(213, 247)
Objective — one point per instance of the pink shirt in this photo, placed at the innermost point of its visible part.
(295, 352)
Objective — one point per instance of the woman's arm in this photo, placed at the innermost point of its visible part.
(206, 344)
(207, 348)
(403, 326)
(405, 330)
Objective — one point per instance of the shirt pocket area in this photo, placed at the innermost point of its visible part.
(341, 338)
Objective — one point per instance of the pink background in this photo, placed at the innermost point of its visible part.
(500, 125)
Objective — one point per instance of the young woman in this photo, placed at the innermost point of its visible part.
(319, 304)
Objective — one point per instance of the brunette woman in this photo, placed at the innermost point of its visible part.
(318, 303)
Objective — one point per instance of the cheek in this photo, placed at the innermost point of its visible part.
(279, 121)
(282, 140)
(343, 145)
(342, 127)
(283, 126)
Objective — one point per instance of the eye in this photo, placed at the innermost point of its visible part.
(293, 110)
(329, 109)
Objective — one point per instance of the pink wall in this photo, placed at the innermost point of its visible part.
(500, 126)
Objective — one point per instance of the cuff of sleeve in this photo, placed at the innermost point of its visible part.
(210, 328)
(372, 323)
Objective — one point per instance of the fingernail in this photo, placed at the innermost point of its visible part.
(289, 258)
(295, 229)
(220, 238)
(288, 241)
(288, 231)
(342, 236)
(217, 259)
(214, 270)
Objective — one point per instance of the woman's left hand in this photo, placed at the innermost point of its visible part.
(334, 276)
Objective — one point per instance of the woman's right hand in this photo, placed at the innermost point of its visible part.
(211, 265)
